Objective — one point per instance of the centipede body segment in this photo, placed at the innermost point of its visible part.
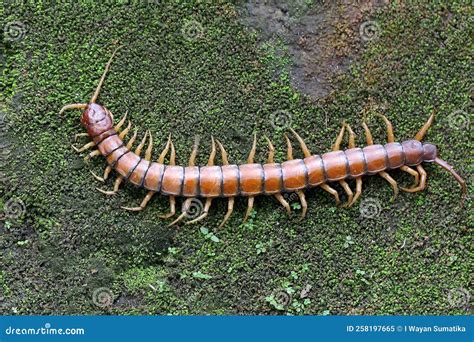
(251, 179)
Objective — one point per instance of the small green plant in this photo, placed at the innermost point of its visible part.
(209, 235)
(348, 241)
(273, 302)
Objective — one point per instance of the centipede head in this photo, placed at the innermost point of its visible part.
(96, 119)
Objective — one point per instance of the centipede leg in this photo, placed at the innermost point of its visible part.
(304, 204)
(230, 204)
(108, 169)
(349, 193)
(78, 135)
(149, 194)
(340, 136)
(358, 191)
(422, 184)
(250, 160)
(271, 151)
(304, 148)
(283, 202)
(250, 202)
(389, 127)
(124, 133)
(253, 150)
(117, 183)
(205, 211)
(184, 212)
(413, 173)
(142, 206)
(93, 154)
(392, 182)
(121, 122)
(102, 179)
(172, 209)
(358, 180)
(188, 201)
(368, 134)
(332, 192)
(83, 148)
(419, 136)
(161, 158)
(172, 162)
(230, 209)
(343, 183)
(289, 152)
(210, 162)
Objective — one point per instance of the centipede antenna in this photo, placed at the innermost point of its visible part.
(72, 106)
(101, 81)
(459, 179)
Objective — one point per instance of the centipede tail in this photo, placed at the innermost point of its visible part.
(458, 178)
(250, 179)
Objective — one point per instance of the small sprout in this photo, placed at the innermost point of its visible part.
(296, 206)
(348, 241)
(209, 235)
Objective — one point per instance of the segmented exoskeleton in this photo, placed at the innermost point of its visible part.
(250, 179)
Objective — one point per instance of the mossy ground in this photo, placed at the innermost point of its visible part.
(192, 69)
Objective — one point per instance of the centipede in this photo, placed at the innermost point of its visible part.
(211, 181)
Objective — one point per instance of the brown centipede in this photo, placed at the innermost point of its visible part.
(250, 179)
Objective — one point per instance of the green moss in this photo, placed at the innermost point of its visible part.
(222, 82)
